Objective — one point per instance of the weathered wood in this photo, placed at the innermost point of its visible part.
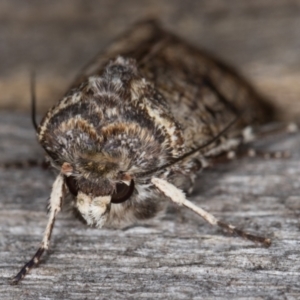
(177, 256)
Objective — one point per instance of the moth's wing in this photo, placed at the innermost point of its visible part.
(204, 93)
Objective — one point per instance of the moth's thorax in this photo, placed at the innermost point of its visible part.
(114, 123)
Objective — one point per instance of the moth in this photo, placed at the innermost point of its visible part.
(138, 124)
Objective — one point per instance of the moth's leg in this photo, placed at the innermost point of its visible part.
(55, 204)
(238, 147)
(243, 151)
(269, 130)
(251, 152)
(23, 164)
(177, 196)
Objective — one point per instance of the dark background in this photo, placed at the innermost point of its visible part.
(261, 38)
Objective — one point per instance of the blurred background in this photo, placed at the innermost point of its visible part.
(260, 38)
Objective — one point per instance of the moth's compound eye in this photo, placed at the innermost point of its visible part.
(72, 185)
(122, 192)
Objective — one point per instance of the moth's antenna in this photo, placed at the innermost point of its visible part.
(33, 100)
(191, 152)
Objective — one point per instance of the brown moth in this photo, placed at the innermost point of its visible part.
(138, 124)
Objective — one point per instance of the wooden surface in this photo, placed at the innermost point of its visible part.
(261, 38)
(177, 256)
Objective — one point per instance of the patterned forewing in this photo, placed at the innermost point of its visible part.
(203, 93)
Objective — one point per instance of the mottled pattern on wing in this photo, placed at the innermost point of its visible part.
(204, 94)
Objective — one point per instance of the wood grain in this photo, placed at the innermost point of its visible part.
(177, 256)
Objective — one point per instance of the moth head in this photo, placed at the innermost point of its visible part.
(98, 176)
(93, 197)
(97, 186)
